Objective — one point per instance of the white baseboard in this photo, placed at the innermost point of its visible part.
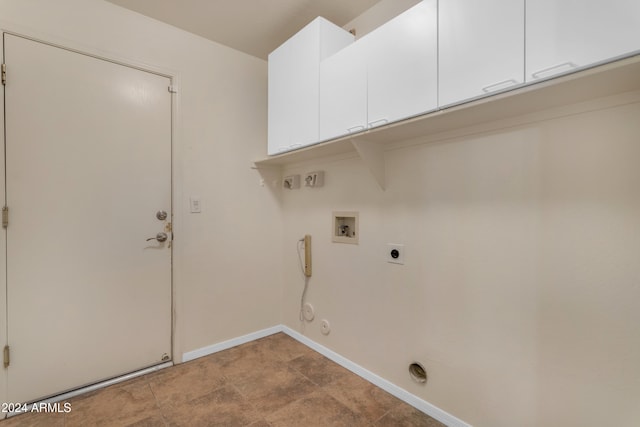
(205, 351)
(411, 399)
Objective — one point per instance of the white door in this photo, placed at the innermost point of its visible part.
(88, 165)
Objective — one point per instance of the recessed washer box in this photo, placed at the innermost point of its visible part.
(345, 227)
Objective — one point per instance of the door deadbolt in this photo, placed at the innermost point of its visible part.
(161, 215)
(160, 237)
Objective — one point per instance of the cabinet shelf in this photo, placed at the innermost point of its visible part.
(600, 81)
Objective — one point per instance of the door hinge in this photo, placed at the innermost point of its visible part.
(7, 356)
(5, 217)
(173, 89)
(4, 74)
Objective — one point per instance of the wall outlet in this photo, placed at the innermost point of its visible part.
(395, 253)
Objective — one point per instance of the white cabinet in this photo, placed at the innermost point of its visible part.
(388, 75)
(402, 65)
(343, 92)
(437, 54)
(563, 35)
(294, 84)
(481, 48)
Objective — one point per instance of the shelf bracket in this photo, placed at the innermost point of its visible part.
(270, 175)
(372, 154)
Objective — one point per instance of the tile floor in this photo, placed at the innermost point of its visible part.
(274, 381)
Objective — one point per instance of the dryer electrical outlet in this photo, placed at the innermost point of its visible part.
(395, 253)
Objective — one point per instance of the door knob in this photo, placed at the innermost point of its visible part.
(160, 237)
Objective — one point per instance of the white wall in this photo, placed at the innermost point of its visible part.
(521, 284)
(227, 260)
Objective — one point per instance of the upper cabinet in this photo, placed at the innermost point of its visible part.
(564, 35)
(481, 48)
(343, 92)
(294, 73)
(388, 75)
(402, 65)
(439, 53)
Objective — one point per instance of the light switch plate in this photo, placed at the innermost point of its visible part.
(194, 203)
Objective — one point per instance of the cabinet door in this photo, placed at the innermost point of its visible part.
(343, 93)
(481, 48)
(294, 73)
(402, 65)
(293, 76)
(278, 135)
(563, 35)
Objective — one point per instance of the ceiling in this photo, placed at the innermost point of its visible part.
(256, 27)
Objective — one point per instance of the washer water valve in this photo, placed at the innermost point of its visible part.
(314, 179)
(291, 182)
